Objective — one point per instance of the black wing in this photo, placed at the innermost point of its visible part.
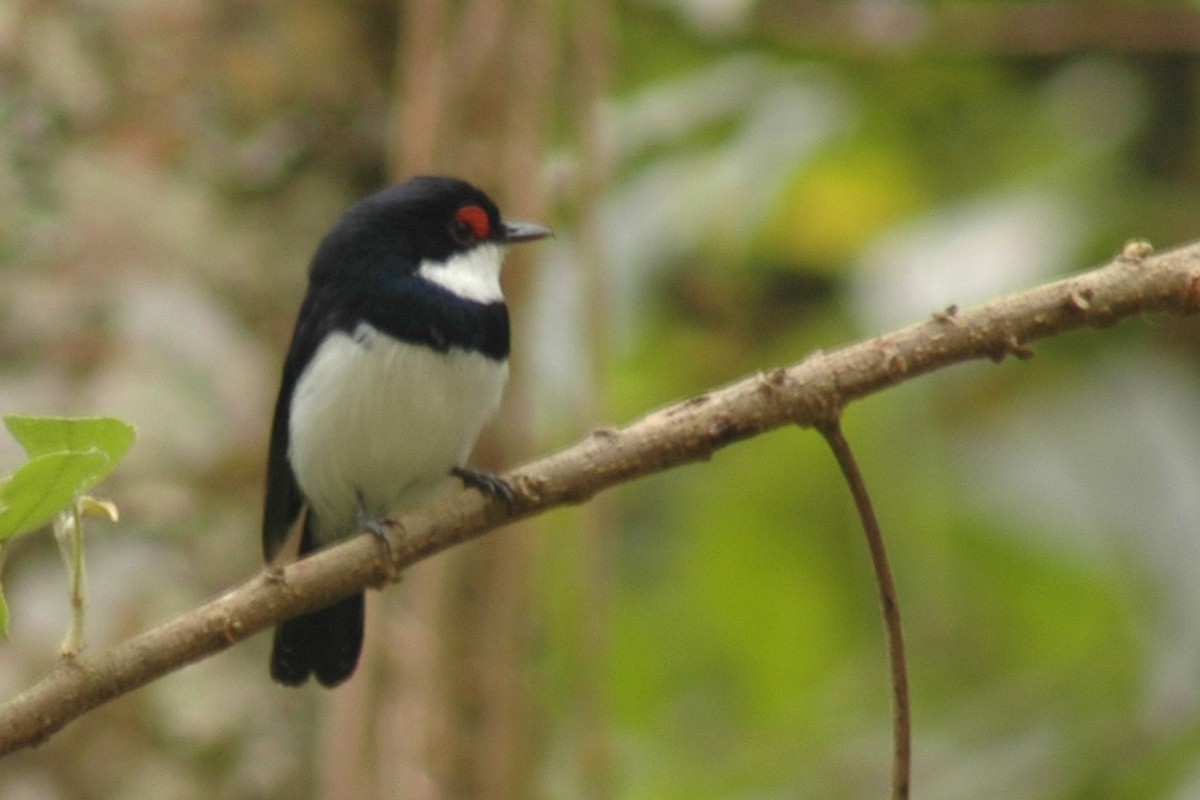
(284, 500)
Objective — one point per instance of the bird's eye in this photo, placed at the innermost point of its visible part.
(470, 225)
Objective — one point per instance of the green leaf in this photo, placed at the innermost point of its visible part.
(42, 435)
(46, 485)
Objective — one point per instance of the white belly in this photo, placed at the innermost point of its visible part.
(387, 420)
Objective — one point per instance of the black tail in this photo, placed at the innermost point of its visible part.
(325, 643)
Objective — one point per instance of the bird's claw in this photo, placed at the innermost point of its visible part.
(376, 526)
(488, 483)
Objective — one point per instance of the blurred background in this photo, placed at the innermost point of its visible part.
(734, 184)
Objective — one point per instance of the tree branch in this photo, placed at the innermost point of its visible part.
(889, 607)
(1046, 28)
(806, 393)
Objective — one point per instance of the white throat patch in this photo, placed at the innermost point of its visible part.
(473, 275)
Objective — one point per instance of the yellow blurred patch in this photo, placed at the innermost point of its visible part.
(834, 204)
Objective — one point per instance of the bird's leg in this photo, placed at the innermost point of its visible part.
(376, 526)
(488, 483)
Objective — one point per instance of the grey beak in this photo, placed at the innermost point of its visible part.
(516, 231)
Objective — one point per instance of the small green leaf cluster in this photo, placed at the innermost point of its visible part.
(67, 457)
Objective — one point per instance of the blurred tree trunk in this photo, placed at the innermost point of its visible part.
(445, 707)
(590, 36)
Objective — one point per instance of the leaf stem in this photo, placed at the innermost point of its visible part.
(68, 530)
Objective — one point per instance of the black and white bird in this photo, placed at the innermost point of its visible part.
(398, 359)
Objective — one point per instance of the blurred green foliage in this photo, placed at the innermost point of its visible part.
(778, 178)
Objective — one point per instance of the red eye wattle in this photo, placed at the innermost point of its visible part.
(476, 219)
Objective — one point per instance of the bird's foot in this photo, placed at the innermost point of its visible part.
(488, 483)
(379, 527)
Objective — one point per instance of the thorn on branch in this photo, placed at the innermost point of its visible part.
(1136, 251)
(774, 380)
(603, 434)
(533, 489)
(690, 404)
(1079, 299)
(1021, 351)
(948, 316)
(234, 630)
(1010, 346)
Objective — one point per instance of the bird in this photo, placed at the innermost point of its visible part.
(398, 359)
